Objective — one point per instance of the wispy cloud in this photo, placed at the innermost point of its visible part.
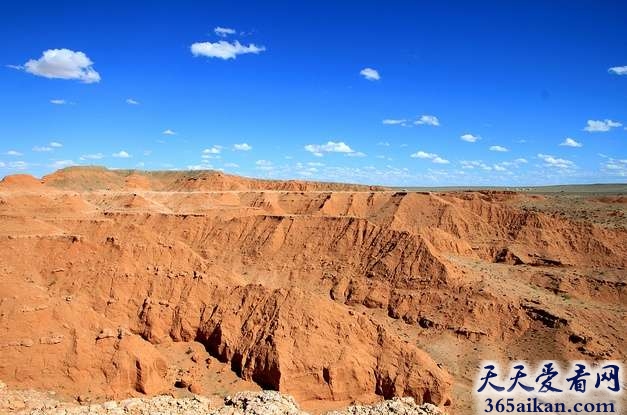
(17, 165)
(212, 150)
(472, 164)
(55, 144)
(121, 154)
(224, 31)
(615, 167)
(601, 125)
(329, 147)
(428, 120)
(224, 50)
(13, 153)
(429, 156)
(500, 149)
(370, 74)
(390, 121)
(59, 164)
(242, 147)
(41, 149)
(618, 70)
(264, 165)
(552, 161)
(356, 154)
(58, 101)
(507, 165)
(470, 137)
(131, 101)
(168, 132)
(95, 156)
(571, 142)
(63, 64)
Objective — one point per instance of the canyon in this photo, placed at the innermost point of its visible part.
(124, 283)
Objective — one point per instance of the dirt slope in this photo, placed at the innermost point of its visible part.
(146, 283)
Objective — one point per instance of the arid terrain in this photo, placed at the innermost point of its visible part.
(118, 284)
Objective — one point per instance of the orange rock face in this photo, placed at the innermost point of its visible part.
(327, 292)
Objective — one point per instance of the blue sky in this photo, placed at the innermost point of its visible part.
(395, 93)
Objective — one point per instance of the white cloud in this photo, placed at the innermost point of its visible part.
(389, 121)
(18, 165)
(356, 154)
(121, 154)
(224, 31)
(2, 164)
(13, 153)
(58, 101)
(440, 160)
(168, 132)
(96, 156)
(428, 120)
(601, 126)
(370, 74)
(42, 148)
(500, 149)
(232, 165)
(242, 147)
(264, 165)
(212, 150)
(224, 49)
(55, 144)
(63, 64)
(131, 101)
(383, 143)
(571, 142)
(503, 166)
(470, 138)
(551, 161)
(429, 156)
(615, 167)
(618, 70)
(59, 164)
(329, 147)
(199, 167)
(471, 164)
